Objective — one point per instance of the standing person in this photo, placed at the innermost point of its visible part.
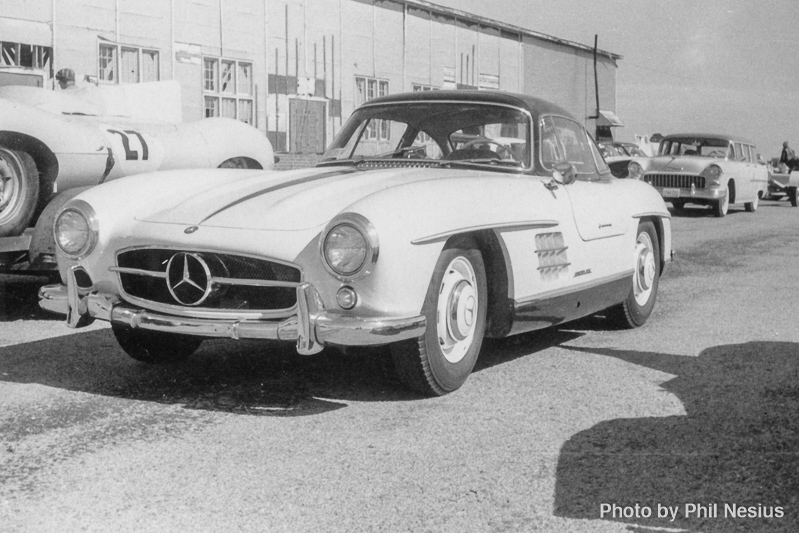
(66, 78)
(788, 157)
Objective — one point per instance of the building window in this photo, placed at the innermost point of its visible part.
(416, 87)
(127, 64)
(25, 55)
(228, 89)
(365, 90)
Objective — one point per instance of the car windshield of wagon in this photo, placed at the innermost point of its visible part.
(435, 133)
(696, 146)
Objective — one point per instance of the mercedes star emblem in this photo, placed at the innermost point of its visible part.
(188, 278)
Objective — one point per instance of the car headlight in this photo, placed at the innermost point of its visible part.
(634, 170)
(713, 173)
(349, 247)
(75, 230)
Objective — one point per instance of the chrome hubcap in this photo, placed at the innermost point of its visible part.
(645, 269)
(8, 181)
(457, 309)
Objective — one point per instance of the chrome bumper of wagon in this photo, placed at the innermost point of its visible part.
(312, 327)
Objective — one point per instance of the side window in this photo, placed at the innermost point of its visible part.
(551, 150)
(576, 145)
(739, 152)
(599, 161)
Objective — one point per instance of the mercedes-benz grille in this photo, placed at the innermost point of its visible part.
(207, 280)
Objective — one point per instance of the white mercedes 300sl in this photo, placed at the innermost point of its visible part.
(434, 219)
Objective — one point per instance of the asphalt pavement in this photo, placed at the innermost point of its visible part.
(686, 424)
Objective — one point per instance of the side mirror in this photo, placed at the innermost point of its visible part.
(564, 173)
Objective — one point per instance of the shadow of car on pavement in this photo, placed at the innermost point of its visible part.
(738, 444)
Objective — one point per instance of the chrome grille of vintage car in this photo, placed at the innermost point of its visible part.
(676, 181)
(202, 280)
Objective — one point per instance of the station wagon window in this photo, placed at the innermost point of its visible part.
(228, 89)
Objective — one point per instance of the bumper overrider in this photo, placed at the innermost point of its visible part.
(312, 327)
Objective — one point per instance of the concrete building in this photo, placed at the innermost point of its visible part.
(295, 69)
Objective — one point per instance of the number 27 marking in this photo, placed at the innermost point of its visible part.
(133, 155)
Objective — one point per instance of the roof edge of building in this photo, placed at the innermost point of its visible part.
(457, 13)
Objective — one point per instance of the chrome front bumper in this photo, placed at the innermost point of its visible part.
(312, 327)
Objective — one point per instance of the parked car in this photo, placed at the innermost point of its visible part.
(52, 142)
(782, 183)
(713, 170)
(397, 238)
(618, 156)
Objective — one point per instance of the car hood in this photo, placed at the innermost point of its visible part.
(689, 164)
(287, 200)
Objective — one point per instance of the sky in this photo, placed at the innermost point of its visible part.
(709, 66)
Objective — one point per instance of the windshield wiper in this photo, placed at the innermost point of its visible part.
(483, 161)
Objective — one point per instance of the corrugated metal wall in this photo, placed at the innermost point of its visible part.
(315, 49)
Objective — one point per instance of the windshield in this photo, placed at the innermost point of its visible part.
(436, 132)
(697, 146)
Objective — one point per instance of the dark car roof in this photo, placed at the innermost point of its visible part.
(734, 138)
(536, 106)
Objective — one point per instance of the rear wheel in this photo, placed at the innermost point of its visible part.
(240, 162)
(636, 308)
(155, 347)
(19, 191)
(442, 359)
(751, 207)
(793, 196)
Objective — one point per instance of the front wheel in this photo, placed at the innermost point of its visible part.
(636, 308)
(720, 207)
(155, 347)
(19, 191)
(442, 359)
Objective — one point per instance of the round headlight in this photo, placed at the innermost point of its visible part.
(349, 246)
(75, 230)
(345, 249)
(634, 170)
(714, 171)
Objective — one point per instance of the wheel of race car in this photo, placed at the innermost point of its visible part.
(636, 308)
(679, 205)
(240, 162)
(720, 207)
(441, 360)
(793, 196)
(19, 191)
(751, 207)
(155, 347)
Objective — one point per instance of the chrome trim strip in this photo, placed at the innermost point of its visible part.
(574, 288)
(652, 214)
(210, 314)
(253, 282)
(501, 226)
(559, 265)
(204, 250)
(137, 272)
